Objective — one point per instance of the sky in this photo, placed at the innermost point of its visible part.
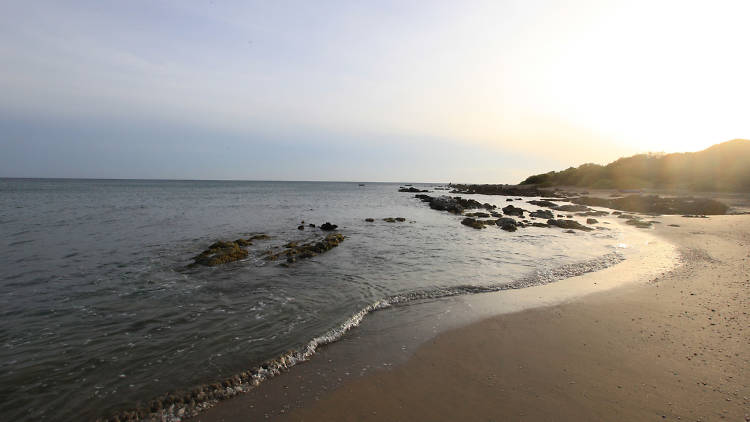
(432, 91)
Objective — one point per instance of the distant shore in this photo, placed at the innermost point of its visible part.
(671, 347)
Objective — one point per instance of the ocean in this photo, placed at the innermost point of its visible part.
(99, 310)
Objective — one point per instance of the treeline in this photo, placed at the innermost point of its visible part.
(722, 167)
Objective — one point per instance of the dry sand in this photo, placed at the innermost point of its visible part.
(676, 347)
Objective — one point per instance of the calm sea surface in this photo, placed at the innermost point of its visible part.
(98, 309)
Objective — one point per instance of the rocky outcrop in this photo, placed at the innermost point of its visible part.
(455, 205)
(592, 221)
(654, 204)
(295, 251)
(411, 189)
(568, 224)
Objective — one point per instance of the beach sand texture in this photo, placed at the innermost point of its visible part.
(672, 348)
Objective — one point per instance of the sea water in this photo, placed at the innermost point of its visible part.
(99, 309)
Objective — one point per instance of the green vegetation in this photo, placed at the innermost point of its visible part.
(722, 167)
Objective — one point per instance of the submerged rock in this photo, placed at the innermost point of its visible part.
(328, 227)
(507, 224)
(413, 190)
(370, 220)
(545, 204)
(222, 252)
(301, 227)
(260, 236)
(295, 251)
(471, 222)
(393, 220)
(568, 224)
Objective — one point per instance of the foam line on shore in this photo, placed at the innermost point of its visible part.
(176, 406)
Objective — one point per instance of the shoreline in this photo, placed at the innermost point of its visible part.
(671, 348)
(303, 386)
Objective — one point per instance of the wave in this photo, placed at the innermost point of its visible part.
(176, 406)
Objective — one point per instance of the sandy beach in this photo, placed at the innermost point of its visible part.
(671, 347)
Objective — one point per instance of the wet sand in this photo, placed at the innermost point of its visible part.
(675, 347)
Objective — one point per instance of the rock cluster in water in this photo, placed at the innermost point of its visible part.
(455, 204)
(411, 189)
(394, 219)
(222, 252)
(568, 224)
(294, 251)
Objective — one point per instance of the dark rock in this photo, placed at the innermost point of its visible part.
(369, 220)
(674, 225)
(694, 216)
(539, 225)
(616, 212)
(569, 231)
(412, 190)
(301, 227)
(468, 221)
(511, 210)
(507, 224)
(568, 224)
(455, 205)
(328, 227)
(311, 225)
(591, 221)
(509, 200)
(560, 216)
(546, 214)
